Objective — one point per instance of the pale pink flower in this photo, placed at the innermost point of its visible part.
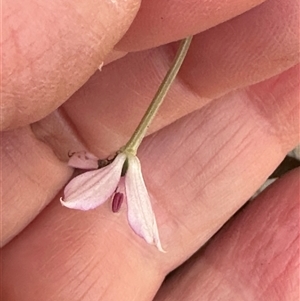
(92, 188)
(83, 160)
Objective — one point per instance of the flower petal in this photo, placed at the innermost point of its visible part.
(93, 188)
(140, 214)
(83, 160)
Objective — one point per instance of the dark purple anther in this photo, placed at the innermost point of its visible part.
(117, 201)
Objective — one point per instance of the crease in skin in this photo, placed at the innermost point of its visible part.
(161, 18)
(114, 55)
(270, 94)
(249, 55)
(91, 265)
(59, 133)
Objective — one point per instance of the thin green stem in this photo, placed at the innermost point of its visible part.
(140, 132)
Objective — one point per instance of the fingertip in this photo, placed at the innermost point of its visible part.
(53, 55)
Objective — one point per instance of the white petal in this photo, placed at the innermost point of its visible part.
(140, 214)
(92, 188)
(83, 160)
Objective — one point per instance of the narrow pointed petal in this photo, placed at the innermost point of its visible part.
(83, 160)
(140, 214)
(93, 188)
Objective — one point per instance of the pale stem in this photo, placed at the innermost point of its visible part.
(140, 132)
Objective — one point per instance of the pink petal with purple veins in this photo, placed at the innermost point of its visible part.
(91, 189)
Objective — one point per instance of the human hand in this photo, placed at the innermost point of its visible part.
(199, 169)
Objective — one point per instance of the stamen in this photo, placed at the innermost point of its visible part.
(70, 154)
(117, 201)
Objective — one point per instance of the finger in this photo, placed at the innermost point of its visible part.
(50, 49)
(33, 176)
(254, 257)
(159, 22)
(34, 171)
(219, 61)
(216, 158)
(199, 171)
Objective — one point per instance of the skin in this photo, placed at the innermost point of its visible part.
(230, 118)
